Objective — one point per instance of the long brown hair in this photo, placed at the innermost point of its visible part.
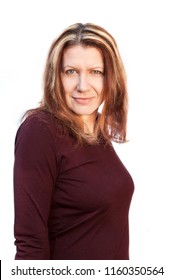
(111, 123)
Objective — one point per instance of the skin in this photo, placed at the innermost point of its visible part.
(83, 81)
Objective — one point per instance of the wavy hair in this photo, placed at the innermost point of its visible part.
(111, 122)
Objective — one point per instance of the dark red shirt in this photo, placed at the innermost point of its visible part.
(70, 202)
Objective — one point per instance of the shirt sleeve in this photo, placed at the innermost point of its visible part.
(35, 175)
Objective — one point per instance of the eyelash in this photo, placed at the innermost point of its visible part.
(70, 71)
(73, 71)
(98, 72)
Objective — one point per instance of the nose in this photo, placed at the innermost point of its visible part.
(83, 83)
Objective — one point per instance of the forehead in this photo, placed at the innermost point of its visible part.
(83, 56)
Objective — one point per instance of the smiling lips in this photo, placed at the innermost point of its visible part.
(83, 101)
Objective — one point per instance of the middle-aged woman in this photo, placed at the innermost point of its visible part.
(72, 193)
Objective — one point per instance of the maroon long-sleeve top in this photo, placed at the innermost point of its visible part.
(71, 202)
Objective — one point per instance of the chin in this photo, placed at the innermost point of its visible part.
(85, 113)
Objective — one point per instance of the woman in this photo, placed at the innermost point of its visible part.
(72, 193)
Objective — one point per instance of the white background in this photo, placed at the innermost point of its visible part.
(143, 31)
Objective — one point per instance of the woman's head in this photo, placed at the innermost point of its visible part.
(112, 121)
(82, 79)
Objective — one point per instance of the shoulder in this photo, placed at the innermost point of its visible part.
(39, 125)
(38, 117)
(41, 132)
(39, 120)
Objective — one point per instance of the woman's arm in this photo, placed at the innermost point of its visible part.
(34, 180)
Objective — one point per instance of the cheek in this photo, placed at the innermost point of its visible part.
(101, 86)
(98, 86)
(67, 97)
(66, 89)
(69, 88)
(66, 85)
(100, 90)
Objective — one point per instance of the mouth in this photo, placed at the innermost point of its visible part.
(83, 101)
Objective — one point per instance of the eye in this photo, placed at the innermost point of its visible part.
(70, 72)
(97, 72)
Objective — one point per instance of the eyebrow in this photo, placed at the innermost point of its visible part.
(90, 67)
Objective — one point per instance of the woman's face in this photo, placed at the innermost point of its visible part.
(83, 79)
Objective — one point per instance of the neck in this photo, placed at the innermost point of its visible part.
(89, 123)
